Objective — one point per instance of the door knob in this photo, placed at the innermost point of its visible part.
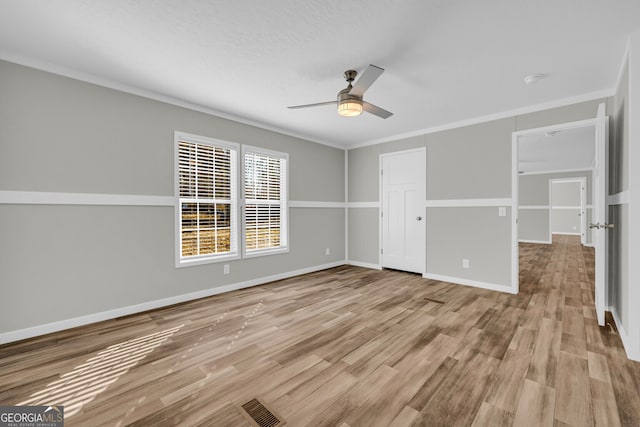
(418, 218)
(598, 226)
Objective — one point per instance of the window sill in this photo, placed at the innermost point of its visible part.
(206, 260)
(265, 252)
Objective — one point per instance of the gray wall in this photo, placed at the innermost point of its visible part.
(364, 234)
(470, 232)
(565, 221)
(564, 195)
(533, 190)
(559, 115)
(453, 172)
(64, 261)
(471, 162)
(533, 226)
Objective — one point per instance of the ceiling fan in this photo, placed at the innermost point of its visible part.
(350, 102)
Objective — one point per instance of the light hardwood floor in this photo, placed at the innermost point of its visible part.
(348, 347)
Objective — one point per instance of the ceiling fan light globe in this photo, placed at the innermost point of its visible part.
(350, 108)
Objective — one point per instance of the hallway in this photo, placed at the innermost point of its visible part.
(582, 365)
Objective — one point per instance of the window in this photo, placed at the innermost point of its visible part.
(265, 201)
(208, 201)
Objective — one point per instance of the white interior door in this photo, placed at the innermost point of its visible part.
(403, 212)
(599, 224)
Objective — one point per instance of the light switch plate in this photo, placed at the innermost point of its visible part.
(502, 211)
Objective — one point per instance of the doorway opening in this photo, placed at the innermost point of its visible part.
(568, 207)
(556, 160)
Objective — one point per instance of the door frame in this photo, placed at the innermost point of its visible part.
(380, 197)
(515, 180)
(583, 204)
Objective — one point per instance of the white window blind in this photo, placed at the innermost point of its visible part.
(207, 199)
(265, 201)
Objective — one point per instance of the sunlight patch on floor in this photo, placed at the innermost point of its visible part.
(80, 386)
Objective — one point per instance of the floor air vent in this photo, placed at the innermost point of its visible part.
(260, 415)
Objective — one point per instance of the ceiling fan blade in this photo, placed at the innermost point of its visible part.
(376, 111)
(317, 104)
(367, 78)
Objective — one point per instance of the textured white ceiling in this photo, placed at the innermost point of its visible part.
(570, 149)
(446, 61)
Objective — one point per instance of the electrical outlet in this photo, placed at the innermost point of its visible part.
(465, 263)
(502, 211)
(327, 251)
(227, 269)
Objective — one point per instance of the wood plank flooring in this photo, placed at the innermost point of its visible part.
(348, 347)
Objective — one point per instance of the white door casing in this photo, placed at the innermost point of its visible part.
(599, 211)
(402, 216)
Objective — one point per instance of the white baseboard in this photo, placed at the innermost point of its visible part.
(470, 282)
(48, 328)
(565, 234)
(365, 265)
(542, 242)
(624, 337)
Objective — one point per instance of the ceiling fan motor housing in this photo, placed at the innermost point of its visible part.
(344, 96)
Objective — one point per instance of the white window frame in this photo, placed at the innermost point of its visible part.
(284, 203)
(235, 235)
